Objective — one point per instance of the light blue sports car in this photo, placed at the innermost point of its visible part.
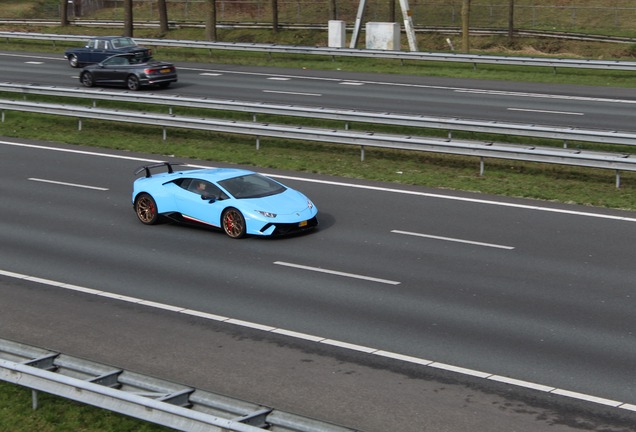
(240, 202)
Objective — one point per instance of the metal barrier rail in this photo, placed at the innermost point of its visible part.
(362, 139)
(176, 24)
(150, 399)
(349, 52)
(567, 134)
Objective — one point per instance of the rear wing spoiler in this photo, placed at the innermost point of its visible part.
(147, 168)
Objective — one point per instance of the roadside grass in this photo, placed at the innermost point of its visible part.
(55, 414)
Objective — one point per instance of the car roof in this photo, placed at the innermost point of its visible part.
(215, 174)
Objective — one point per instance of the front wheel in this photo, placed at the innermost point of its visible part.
(73, 61)
(87, 79)
(132, 82)
(233, 223)
(146, 209)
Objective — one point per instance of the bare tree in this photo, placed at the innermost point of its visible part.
(466, 25)
(163, 16)
(333, 10)
(275, 16)
(64, 13)
(128, 18)
(511, 20)
(210, 22)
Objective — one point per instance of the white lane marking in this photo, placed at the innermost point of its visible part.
(275, 78)
(350, 185)
(450, 239)
(67, 184)
(332, 342)
(292, 93)
(351, 83)
(210, 74)
(337, 273)
(34, 62)
(546, 111)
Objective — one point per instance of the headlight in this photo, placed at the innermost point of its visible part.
(267, 214)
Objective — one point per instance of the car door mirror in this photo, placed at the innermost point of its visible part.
(210, 198)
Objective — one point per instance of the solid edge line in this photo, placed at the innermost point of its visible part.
(340, 344)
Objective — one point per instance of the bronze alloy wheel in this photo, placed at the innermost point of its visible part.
(146, 209)
(233, 223)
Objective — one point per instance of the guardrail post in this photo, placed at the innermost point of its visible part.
(34, 399)
(361, 153)
(258, 142)
(618, 179)
(2, 116)
(481, 166)
(79, 124)
(164, 133)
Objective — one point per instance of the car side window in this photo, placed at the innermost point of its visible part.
(201, 187)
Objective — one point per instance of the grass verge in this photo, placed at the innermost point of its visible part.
(55, 414)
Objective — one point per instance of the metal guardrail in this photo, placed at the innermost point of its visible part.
(474, 59)
(567, 134)
(618, 162)
(176, 24)
(150, 399)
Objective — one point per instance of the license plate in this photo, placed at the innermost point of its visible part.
(167, 70)
(302, 224)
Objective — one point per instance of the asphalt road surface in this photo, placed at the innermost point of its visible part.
(493, 289)
(559, 105)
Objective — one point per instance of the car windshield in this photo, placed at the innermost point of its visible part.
(251, 186)
(123, 42)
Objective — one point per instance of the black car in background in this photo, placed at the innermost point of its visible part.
(100, 48)
(130, 71)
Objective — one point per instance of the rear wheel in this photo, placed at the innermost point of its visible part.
(132, 82)
(87, 79)
(233, 223)
(146, 209)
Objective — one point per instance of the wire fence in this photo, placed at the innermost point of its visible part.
(610, 17)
